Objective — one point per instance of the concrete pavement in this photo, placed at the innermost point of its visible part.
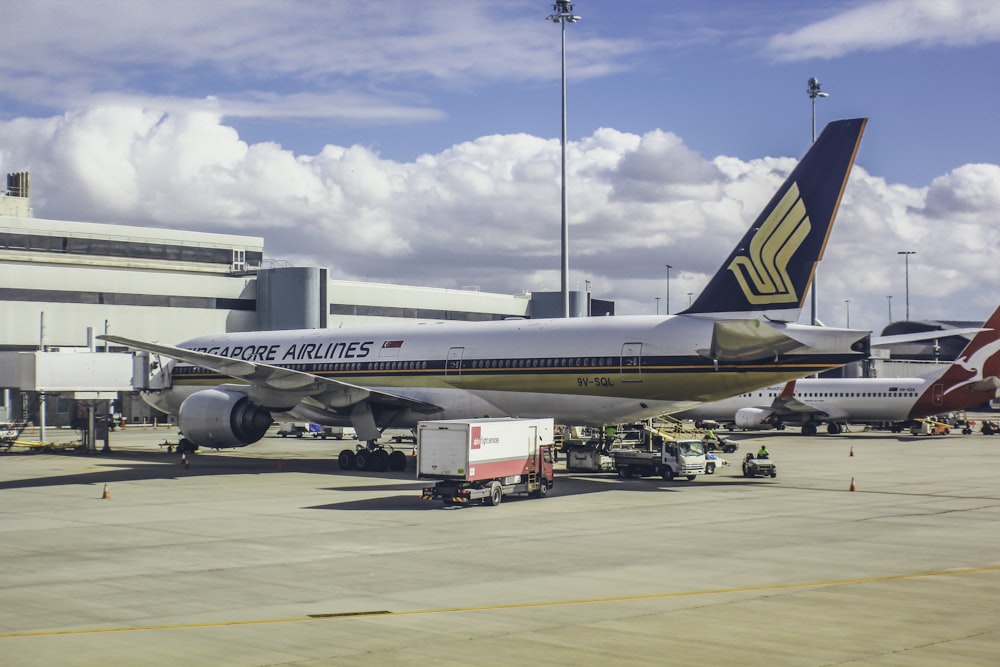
(270, 555)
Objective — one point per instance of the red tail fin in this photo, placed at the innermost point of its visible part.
(973, 377)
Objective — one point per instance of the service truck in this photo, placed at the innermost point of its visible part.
(485, 459)
(663, 457)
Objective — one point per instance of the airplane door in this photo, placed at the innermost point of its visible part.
(631, 362)
(453, 366)
(937, 394)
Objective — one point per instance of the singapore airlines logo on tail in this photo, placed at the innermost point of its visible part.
(763, 272)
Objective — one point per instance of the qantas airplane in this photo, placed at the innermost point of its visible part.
(740, 334)
(972, 379)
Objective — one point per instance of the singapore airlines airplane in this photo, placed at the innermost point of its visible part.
(972, 379)
(738, 335)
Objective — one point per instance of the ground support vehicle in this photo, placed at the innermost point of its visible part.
(929, 427)
(663, 457)
(759, 467)
(718, 443)
(587, 458)
(485, 459)
(713, 461)
(294, 429)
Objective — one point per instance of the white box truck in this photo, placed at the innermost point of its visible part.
(485, 459)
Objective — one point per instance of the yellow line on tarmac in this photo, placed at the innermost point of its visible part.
(513, 605)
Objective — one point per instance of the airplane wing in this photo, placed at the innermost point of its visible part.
(880, 341)
(331, 393)
(786, 405)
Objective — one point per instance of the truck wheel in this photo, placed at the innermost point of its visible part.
(283, 434)
(667, 474)
(691, 478)
(710, 469)
(397, 461)
(774, 473)
(625, 472)
(542, 490)
(346, 460)
(496, 495)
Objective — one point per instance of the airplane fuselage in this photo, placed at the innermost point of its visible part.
(579, 371)
(850, 400)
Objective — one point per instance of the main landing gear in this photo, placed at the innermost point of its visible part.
(372, 456)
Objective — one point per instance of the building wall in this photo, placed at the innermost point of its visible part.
(362, 303)
(144, 283)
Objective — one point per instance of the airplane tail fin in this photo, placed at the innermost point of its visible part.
(976, 370)
(769, 272)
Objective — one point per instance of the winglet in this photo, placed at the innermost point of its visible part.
(769, 272)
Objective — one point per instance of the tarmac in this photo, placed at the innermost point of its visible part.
(868, 548)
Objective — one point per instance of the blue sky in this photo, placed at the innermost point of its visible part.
(417, 142)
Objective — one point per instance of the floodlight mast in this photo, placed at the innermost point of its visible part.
(814, 92)
(563, 14)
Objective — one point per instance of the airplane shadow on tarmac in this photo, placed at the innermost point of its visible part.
(128, 466)
(402, 487)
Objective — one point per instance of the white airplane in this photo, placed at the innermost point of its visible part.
(738, 335)
(972, 379)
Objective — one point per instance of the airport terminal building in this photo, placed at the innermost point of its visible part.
(62, 283)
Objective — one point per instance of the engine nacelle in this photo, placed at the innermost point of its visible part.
(218, 419)
(755, 419)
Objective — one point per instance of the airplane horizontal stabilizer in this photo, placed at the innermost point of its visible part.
(747, 340)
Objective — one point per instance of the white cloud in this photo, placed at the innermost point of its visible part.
(885, 24)
(337, 59)
(486, 212)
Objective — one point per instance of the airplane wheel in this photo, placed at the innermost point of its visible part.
(397, 461)
(380, 460)
(809, 429)
(362, 460)
(346, 460)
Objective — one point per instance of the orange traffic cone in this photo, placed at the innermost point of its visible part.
(107, 493)
(852, 451)
(852, 484)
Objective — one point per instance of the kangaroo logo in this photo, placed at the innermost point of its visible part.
(763, 272)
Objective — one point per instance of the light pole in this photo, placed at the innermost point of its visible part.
(847, 305)
(814, 92)
(657, 304)
(668, 287)
(889, 299)
(906, 256)
(563, 14)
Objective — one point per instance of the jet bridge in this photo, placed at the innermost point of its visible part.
(88, 377)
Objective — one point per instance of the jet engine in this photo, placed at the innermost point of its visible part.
(218, 418)
(755, 419)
